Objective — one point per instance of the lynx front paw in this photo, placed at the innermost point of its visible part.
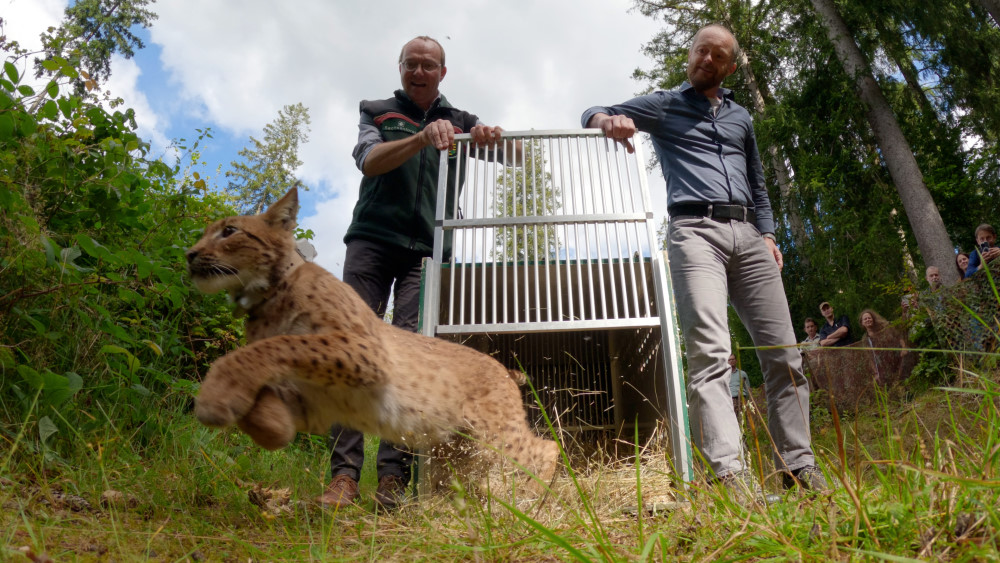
(269, 422)
(215, 412)
(221, 401)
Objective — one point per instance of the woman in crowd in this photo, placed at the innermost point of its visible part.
(961, 262)
(874, 323)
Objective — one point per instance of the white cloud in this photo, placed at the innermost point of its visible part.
(25, 20)
(329, 242)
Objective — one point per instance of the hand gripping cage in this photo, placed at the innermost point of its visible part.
(547, 260)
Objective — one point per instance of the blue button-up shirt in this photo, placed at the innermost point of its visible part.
(705, 157)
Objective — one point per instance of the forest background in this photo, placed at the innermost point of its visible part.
(878, 123)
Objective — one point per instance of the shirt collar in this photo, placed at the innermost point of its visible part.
(688, 89)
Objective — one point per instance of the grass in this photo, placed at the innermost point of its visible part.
(917, 480)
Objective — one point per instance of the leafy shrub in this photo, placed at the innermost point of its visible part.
(98, 323)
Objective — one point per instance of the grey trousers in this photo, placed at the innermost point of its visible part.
(713, 263)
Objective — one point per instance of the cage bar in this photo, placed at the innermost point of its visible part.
(554, 268)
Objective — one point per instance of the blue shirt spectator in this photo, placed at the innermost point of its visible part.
(986, 249)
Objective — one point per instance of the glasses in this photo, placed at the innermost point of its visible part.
(428, 66)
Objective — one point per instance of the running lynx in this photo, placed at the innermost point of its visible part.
(317, 355)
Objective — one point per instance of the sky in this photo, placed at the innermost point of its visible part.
(231, 65)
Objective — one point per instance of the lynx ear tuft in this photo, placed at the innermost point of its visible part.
(283, 213)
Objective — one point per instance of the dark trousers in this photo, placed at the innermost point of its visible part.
(374, 270)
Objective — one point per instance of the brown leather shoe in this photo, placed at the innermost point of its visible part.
(390, 493)
(340, 493)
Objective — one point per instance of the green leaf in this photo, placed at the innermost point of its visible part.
(74, 381)
(27, 124)
(6, 359)
(31, 376)
(143, 267)
(153, 346)
(50, 111)
(131, 361)
(65, 106)
(38, 326)
(67, 255)
(112, 349)
(57, 389)
(6, 126)
(51, 65)
(46, 428)
(50, 250)
(25, 90)
(92, 247)
(10, 70)
(52, 89)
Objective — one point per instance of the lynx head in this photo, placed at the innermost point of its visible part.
(247, 255)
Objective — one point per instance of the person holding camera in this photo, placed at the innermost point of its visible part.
(986, 248)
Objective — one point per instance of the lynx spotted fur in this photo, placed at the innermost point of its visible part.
(317, 355)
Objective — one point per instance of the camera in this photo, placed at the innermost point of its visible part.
(983, 247)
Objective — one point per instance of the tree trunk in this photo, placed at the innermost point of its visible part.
(908, 264)
(896, 49)
(993, 7)
(932, 237)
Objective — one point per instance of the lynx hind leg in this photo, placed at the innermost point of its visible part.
(269, 423)
(540, 457)
(448, 462)
(501, 426)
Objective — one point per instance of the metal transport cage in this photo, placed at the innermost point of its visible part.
(545, 257)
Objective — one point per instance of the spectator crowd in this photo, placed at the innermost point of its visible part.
(885, 346)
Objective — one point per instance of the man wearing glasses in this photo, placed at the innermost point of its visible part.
(392, 231)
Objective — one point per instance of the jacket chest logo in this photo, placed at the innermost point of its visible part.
(400, 125)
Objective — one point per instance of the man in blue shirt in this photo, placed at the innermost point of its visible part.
(721, 249)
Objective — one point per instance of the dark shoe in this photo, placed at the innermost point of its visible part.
(743, 487)
(390, 492)
(341, 492)
(809, 478)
